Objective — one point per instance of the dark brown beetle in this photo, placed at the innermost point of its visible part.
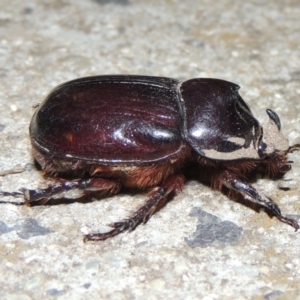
(141, 132)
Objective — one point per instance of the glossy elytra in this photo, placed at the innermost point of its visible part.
(99, 134)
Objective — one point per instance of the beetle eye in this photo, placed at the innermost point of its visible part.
(261, 146)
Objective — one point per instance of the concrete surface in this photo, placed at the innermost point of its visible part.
(177, 255)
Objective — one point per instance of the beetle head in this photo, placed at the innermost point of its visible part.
(271, 138)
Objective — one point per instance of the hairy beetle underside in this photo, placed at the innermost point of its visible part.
(163, 181)
(229, 177)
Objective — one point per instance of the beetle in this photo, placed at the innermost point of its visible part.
(98, 134)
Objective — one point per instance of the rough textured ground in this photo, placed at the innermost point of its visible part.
(201, 245)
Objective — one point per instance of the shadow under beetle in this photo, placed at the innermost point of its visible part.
(98, 134)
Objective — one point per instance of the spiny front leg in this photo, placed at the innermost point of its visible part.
(232, 182)
(157, 199)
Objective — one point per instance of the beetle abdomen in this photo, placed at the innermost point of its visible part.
(130, 175)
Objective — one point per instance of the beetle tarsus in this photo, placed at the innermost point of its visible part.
(158, 197)
(118, 228)
(12, 194)
(289, 221)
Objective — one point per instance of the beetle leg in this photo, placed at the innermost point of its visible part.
(231, 182)
(11, 194)
(158, 198)
(108, 187)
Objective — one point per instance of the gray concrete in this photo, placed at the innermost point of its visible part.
(176, 255)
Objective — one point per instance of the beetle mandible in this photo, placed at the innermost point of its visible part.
(98, 134)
